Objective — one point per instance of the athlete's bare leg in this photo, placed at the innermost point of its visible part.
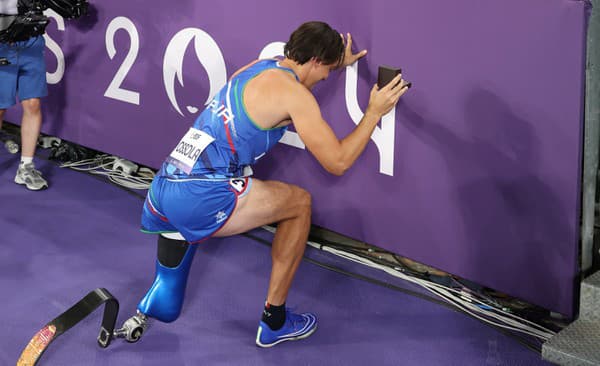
(275, 202)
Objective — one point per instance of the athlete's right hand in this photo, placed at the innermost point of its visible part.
(383, 100)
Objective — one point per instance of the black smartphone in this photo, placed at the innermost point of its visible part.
(386, 74)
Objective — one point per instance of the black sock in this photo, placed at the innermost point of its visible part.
(274, 316)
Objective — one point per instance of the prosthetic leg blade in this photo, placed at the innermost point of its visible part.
(76, 313)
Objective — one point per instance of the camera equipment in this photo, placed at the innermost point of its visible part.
(6, 20)
(68, 9)
(31, 22)
(24, 26)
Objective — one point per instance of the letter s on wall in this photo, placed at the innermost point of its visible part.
(56, 76)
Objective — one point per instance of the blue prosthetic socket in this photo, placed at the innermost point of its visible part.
(164, 299)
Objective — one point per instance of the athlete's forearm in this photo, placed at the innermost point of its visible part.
(354, 144)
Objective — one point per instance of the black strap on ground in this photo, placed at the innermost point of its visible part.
(76, 313)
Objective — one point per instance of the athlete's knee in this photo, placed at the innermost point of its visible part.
(303, 200)
(164, 299)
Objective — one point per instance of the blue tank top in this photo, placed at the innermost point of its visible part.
(238, 141)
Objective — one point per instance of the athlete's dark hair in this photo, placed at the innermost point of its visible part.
(318, 40)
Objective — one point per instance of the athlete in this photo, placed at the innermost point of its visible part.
(204, 188)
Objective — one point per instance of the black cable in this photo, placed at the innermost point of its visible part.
(361, 252)
(523, 341)
(355, 275)
(427, 276)
(383, 262)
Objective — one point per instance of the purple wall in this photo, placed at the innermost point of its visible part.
(481, 167)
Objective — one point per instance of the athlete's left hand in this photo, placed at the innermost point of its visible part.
(349, 57)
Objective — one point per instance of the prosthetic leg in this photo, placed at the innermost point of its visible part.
(164, 299)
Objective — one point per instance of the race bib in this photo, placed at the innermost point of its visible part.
(188, 150)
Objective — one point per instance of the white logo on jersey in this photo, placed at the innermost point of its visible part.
(221, 111)
(221, 216)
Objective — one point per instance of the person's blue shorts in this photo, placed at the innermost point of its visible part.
(26, 74)
(195, 208)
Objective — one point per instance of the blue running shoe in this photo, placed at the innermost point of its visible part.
(296, 326)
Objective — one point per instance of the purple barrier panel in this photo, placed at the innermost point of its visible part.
(476, 172)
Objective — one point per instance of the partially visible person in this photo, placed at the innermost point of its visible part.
(23, 75)
(205, 188)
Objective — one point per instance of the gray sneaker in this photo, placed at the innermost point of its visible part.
(32, 178)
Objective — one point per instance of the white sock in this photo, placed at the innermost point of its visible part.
(26, 160)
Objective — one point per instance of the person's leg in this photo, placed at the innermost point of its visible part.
(164, 299)
(31, 87)
(262, 203)
(31, 124)
(275, 202)
(258, 204)
(30, 129)
(290, 207)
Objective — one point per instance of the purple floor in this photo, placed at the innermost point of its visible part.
(82, 233)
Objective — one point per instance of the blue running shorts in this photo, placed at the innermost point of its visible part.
(195, 208)
(26, 74)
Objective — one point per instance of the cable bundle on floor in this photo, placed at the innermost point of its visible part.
(104, 165)
(463, 300)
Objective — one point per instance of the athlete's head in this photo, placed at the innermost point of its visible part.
(315, 40)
